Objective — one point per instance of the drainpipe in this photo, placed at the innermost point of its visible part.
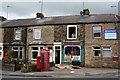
(26, 59)
(84, 44)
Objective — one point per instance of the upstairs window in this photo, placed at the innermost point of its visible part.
(18, 34)
(97, 31)
(72, 32)
(37, 34)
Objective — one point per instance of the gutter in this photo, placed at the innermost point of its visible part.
(62, 24)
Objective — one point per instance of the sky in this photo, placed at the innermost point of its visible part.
(60, 0)
(28, 8)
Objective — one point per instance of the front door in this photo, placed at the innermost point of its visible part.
(57, 54)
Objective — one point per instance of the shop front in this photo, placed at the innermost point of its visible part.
(72, 51)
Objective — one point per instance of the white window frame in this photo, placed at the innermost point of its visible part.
(68, 31)
(35, 33)
(106, 50)
(32, 53)
(22, 52)
(17, 33)
(100, 31)
(19, 51)
(96, 49)
(1, 52)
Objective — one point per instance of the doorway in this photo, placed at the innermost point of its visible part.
(57, 54)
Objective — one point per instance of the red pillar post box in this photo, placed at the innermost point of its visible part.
(38, 62)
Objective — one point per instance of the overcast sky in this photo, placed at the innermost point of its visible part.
(29, 8)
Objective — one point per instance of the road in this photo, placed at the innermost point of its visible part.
(101, 77)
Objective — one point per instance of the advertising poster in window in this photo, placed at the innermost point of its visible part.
(110, 34)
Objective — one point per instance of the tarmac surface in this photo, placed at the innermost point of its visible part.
(66, 73)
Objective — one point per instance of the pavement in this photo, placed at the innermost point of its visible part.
(64, 73)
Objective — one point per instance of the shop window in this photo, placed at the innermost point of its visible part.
(34, 53)
(71, 32)
(96, 51)
(37, 33)
(18, 34)
(106, 51)
(18, 52)
(97, 31)
(72, 53)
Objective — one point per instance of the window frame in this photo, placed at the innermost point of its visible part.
(18, 33)
(19, 51)
(100, 31)
(35, 33)
(68, 31)
(34, 51)
(94, 50)
(106, 50)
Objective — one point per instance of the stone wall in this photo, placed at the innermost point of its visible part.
(47, 34)
(9, 35)
(92, 61)
(1, 35)
(61, 33)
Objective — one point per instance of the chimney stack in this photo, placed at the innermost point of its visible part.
(85, 12)
(39, 15)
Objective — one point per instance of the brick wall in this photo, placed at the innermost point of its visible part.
(92, 61)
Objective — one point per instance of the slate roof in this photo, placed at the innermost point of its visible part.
(74, 19)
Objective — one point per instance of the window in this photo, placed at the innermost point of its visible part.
(96, 51)
(97, 31)
(106, 51)
(37, 33)
(18, 34)
(50, 48)
(72, 32)
(72, 53)
(34, 53)
(18, 52)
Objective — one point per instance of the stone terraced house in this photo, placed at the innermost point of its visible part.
(91, 39)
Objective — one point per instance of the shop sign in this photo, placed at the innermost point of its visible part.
(110, 34)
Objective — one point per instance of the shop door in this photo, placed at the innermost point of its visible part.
(57, 55)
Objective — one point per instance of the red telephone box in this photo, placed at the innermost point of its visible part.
(44, 53)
